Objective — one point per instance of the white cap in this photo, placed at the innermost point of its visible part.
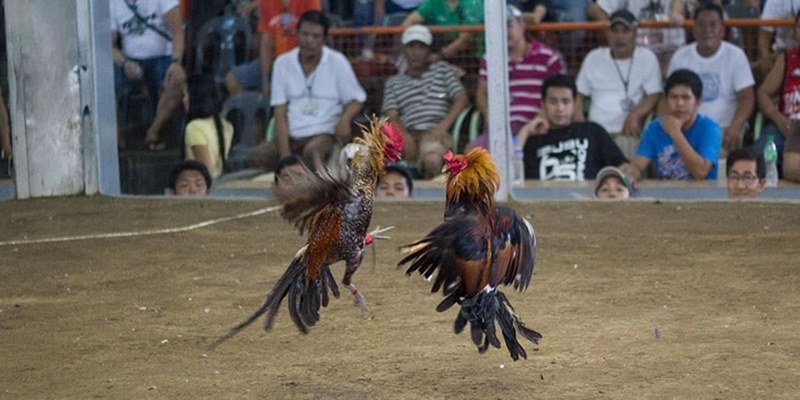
(419, 33)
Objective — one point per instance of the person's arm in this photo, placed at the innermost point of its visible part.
(411, 19)
(131, 68)
(460, 102)
(637, 167)
(282, 130)
(451, 49)
(482, 98)
(770, 87)
(343, 128)
(201, 154)
(676, 12)
(577, 114)
(694, 162)
(246, 9)
(265, 55)
(378, 12)
(176, 75)
(633, 122)
(745, 103)
(535, 16)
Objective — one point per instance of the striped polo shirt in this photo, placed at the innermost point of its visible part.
(525, 80)
(424, 100)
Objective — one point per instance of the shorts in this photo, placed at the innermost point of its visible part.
(154, 71)
(248, 75)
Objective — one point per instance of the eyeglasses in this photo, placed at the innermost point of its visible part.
(747, 179)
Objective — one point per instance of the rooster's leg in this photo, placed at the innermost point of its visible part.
(350, 269)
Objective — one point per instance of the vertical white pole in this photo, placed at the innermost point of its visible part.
(497, 82)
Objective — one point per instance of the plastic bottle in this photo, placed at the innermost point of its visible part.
(518, 164)
(771, 159)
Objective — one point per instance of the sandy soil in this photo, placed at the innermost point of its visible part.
(636, 300)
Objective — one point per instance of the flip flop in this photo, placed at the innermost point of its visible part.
(155, 145)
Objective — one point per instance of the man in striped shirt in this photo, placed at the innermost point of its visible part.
(530, 62)
(424, 102)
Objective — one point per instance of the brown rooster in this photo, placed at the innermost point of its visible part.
(335, 208)
(477, 248)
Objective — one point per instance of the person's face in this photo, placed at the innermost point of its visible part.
(292, 174)
(681, 102)
(743, 181)
(393, 184)
(613, 188)
(516, 32)
(310, 38)
(558, 105)
(417, 54)
(191, 183)
(708, 30)
(621, 40)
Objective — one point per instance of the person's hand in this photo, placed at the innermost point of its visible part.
(343, 133)
(8, 154)
(676, 19)
(632, 126)
(265, 86)
(176, 75)
(783, 124)
(536, 126)
(672, 125)
(133, 70)
(730, 138)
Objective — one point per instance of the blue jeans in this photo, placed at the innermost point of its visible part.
(154, 70)
(770, 129)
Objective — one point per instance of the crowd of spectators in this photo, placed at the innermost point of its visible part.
(616, 112)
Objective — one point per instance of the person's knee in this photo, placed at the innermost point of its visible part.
(791, 166)
(431, 165)
(232, 85)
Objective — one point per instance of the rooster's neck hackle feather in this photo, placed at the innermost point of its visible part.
(476, 184)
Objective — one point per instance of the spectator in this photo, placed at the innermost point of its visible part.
(568, 150)
(728, 94)
(424, 102)
(208, 135)
(276, 26)
(772, 40)
(533, 11)
(791, 154)
(623, 81)
(147, 45)
(682, 144)
(746, 173)
(783, 81)
(190, 178)
(530, 62)
(396, 182)
(6, 152)
(373, 12)
(314, 101)
(663, 41)
(290, 170)
(450, 12)
(569, 43)
(612, 183)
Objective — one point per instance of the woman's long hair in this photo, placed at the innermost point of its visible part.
(205, 101)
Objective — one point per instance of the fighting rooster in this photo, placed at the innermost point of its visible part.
(335, 208)
(477, 248)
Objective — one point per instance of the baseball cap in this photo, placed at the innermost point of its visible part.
(610, 171)
(623, 17)
(419, 33)
(512, 13)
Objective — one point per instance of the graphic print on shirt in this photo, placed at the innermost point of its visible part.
(563, 161)
(671, 165)
(136, 26)
(711, 84)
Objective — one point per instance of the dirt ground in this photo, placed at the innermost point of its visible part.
(636, 300)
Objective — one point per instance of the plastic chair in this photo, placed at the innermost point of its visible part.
(247, 105)
(225, 31)
(457, 125)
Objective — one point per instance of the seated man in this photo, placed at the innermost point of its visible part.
(147, 45)
(682, 144)
(530, 62)
(746, 172)
(623, 81)
(424, 102)
(568, 150)
(395, 183)
(315, 100)
(728, 95)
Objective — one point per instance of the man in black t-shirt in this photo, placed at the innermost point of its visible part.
(556, 148)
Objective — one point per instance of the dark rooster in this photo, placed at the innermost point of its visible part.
(335, 208)
(477, 248)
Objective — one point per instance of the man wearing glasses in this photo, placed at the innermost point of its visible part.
(746, 174)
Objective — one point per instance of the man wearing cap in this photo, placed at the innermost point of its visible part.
(530, 62)
(612, 183)
(424, 102)
(623, 81)
(728, 84)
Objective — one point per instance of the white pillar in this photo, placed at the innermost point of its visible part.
(497, 82)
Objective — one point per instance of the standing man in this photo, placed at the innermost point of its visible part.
(682, 144)
(424, 102)
(572, 151)
(728, 84)
(623, 81)
(277, 20)
(315, 98)
(147, 42)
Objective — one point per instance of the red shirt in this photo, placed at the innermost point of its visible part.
(790, 93)
(281, 21)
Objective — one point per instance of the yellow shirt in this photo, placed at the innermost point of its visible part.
(202, 132)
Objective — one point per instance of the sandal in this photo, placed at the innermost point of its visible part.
(155, 145)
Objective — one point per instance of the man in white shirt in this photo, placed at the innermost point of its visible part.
(315, 97)
(728, 94)
(623, 81)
